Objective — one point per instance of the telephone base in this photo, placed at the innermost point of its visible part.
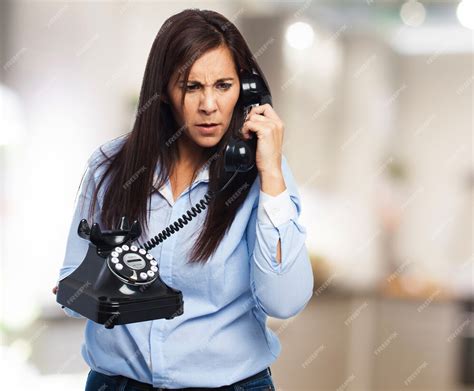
(95, 293)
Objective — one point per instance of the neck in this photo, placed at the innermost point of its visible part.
(190, 155)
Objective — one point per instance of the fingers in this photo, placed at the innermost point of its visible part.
(255, 126)
(266, 110)
(55, 289)
(249, 122)
(258, 115)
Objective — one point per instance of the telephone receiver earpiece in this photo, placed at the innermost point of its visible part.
(239, 154)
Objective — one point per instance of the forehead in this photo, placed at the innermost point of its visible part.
(212, 65)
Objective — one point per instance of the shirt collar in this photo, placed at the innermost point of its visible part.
(202, 176)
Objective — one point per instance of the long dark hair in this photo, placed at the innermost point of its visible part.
(180, 41)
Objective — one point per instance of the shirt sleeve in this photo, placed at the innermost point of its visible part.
(277, 209)
(283, 289)
(76, 247)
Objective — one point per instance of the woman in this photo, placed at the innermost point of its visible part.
(241, 260)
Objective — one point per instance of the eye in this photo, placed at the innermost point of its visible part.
(225, 86)
(190, 87)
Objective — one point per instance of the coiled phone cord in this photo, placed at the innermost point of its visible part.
(185, 218)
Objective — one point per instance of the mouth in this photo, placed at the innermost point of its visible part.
(208, 126)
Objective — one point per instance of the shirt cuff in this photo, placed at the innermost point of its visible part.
(275, 210)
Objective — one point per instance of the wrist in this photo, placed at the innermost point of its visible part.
(272, 182)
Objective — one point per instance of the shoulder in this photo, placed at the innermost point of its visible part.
(99, 159)
(106, 150)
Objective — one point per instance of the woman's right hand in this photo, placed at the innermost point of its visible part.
(55, 289)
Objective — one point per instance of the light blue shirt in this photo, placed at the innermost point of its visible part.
(222, 335)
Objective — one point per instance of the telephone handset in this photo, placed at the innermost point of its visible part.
(118, 282)
(239, 155)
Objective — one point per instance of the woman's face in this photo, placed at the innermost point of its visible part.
(212, 91)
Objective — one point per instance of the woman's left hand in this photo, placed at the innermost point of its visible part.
(264, 121)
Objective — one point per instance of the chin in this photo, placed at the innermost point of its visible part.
(208, 141)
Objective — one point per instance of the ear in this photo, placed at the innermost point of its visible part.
(165, 99)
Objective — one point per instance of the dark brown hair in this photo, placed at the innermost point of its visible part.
(182, 39)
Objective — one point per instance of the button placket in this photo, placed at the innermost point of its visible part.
(167, 250)
(159, 325)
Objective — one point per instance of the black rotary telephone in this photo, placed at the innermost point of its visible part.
(118, 282)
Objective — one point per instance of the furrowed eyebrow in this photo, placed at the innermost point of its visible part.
(217, 81)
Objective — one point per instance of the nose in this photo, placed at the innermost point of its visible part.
(207, 102)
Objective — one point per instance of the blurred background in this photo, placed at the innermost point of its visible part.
(377, 100)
